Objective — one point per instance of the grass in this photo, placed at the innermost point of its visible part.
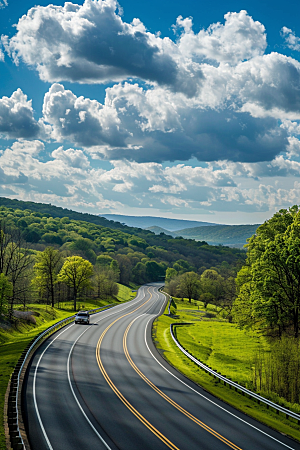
(13, 340)
(224, 348)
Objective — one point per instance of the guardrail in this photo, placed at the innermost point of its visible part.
(231, 383)
(13, 419)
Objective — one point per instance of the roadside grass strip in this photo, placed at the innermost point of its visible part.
(225, 349)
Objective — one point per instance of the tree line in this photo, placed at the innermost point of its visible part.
(49, 276)
(216, 286)
(141, 255)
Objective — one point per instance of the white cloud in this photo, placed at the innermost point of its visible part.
(81, 120)
(291, 40)
(71, 157)
(156, 125)
(69, 179)
(240, 38)
(16, 117)
(90, 43)
(269, 85)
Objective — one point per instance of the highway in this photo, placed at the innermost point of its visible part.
(105, 386)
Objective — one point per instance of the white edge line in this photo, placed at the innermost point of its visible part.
(34, 390)
(203, 396)
(74, 395)
(36, 369)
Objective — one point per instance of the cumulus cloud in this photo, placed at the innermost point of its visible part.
(211, 95)
(16, 117)
(70, 179)
(153, 125)
(90, 43)
(240, 38)
(269, 86)
(81, 120)
(291, 40)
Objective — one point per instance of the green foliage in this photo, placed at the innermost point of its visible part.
(104, 260)
(76, 272)
(171, 273)
(269, 285)
(189, 285)
(92, 237)
(6, 289)
(278, 371)
(211, 286)
(46, 269)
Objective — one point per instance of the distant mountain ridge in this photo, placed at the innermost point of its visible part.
(229, 235)
(162, 222)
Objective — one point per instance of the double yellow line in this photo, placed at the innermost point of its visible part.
(155, 388)
(118, 393)
(168, 399)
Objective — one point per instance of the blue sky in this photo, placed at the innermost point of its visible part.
(175, 109)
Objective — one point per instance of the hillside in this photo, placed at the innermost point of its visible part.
(140, 254)
(158, 230)
(162, 222)
(229, 235)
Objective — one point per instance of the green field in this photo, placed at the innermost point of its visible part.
(13, 340)
(225, 349)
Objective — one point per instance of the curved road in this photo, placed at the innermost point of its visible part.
(104, 386)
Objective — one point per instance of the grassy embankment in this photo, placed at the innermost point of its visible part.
(224, 348)
(13, 340)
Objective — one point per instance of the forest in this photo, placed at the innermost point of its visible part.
(40, 251)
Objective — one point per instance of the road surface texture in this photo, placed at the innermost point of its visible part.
(104, 386)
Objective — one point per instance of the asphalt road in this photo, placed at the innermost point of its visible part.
(104, 386)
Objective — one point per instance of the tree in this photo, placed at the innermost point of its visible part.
(46, 270)
(170, 274)
(125, 267)
(270, 282)
(211, 285)
(6, 289)
(139, 273)
(76, 272)
(189, 285)
(114, 268)
(14, 261)
(154, 271)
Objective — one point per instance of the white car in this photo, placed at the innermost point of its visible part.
(82, 317)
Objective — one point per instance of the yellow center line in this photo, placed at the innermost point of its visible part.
(168, 399)
(118, 393)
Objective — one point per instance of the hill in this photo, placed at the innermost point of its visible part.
(162, 222)
(229, 235)
(141, 255)
(159, 230)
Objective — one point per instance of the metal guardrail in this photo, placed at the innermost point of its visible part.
(16, 439)
(231, 383)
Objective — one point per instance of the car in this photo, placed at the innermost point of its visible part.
(82, 317)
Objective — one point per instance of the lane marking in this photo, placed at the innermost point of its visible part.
(211, 401)
(136, 300)
(34, 390)
(77, 401)
(142, 419)
(168, 399)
